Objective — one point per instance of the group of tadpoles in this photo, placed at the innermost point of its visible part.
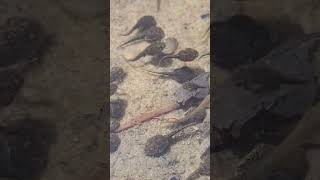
(147, 30)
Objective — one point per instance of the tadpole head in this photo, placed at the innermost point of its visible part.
(154, 48)
(153, 34)
(117, 108)
(146, 22)
(142, 24)
(150, 35)
(187, 54)
(157, 146)
(183, 74)
(117, 75)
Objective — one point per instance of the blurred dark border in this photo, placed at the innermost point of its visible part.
(108, 91)
(212, 82)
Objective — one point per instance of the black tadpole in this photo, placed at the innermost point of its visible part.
(150, 35)
(142, 24)
(158, 145)
(186, 55)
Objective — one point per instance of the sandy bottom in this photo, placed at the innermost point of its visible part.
(179, 19)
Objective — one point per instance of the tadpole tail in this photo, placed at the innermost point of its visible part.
(168, 57)
(206, 33)
(130, 31)
(180, 129)
(137, 37)
(206, 54)
(159, 73)
(194, 175)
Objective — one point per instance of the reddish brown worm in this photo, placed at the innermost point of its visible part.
(147, 117)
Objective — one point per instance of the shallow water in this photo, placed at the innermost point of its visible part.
(144, 92)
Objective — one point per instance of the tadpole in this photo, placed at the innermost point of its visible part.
(186, 55)
(150, 35)
(158, 145)
(153, 49)
(117, 111)
(117, 108)
(181, 75)
(171, 45)
(117, 75)
(114, 142)
(142, 24)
